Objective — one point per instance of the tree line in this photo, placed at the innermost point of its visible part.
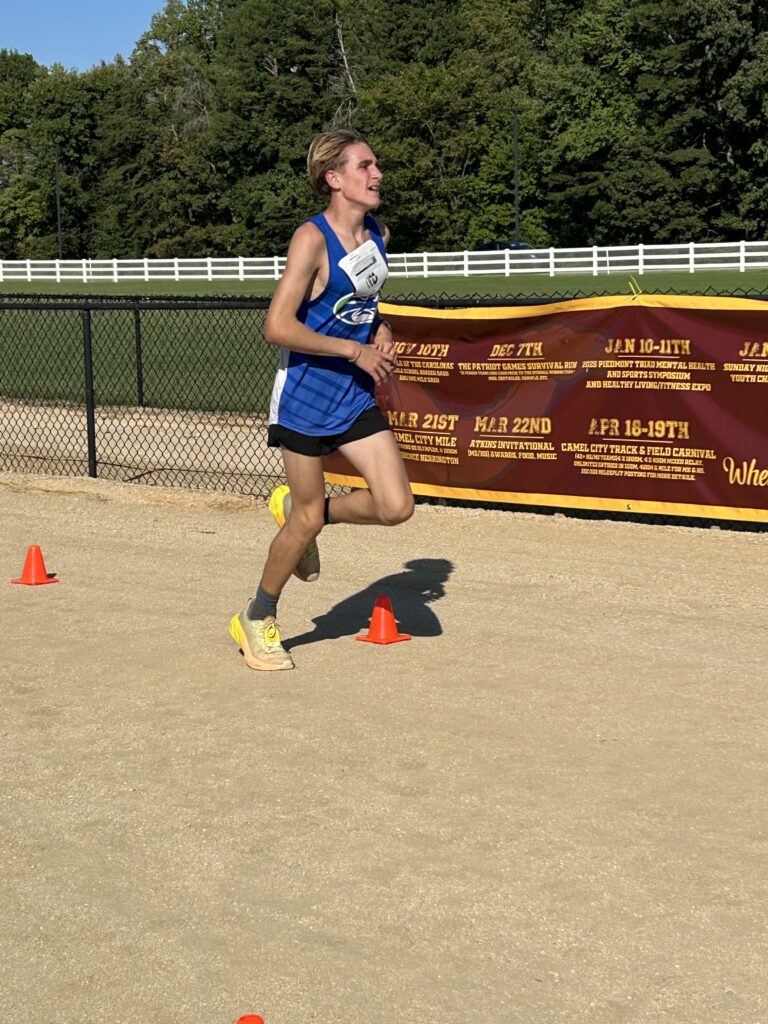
(635, 120)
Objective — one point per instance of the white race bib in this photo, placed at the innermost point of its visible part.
(366, 269)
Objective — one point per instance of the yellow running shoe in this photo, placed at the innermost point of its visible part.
(308, 568)
(259, 640)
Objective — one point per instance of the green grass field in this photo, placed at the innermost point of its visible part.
(572, 285)
(208, 359)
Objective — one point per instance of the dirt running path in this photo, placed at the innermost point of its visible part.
(549, 806)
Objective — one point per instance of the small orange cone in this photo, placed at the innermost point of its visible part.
(34, 574)
(383, 628)
(250, 1018)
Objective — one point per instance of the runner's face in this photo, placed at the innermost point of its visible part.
(359, 179)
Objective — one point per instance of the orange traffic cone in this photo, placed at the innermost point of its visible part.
(250, 1018)
(383, 628)
(34, 574)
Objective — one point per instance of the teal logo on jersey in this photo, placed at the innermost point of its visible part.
(352, 310)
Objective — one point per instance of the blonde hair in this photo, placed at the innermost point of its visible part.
(327, 152)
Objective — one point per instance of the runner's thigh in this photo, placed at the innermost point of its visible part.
(378, 460)
(304, 474)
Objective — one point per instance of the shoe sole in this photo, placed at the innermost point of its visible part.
(238, 635)
(308, 568)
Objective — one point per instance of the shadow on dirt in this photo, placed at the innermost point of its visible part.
(411, 592)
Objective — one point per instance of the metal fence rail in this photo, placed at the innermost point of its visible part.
(688, 257)
(594, 260)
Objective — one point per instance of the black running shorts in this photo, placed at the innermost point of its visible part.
(372, 421)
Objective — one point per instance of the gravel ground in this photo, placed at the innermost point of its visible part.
(548, 806)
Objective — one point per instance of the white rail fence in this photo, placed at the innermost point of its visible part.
(689, 257)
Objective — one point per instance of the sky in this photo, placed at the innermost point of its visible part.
(75, 33)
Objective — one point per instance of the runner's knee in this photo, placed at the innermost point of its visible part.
(396, 510)
(309, 521)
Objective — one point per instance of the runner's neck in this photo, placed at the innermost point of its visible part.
(348, 226)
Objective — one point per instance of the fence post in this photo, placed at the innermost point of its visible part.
(466, 263)
(551, 262)
(742, 256)
(90, 405)
(85, 275)
(2, 277)
(58, 271)
(277, 268)
(114, 271)
(146, 269)
(210, 269)
(424, 265)
(691, 258)
(506, 263)
(241, 268)
(175, 268)
(594, 261)
(29, 271)
(640, 258)
(139, 358)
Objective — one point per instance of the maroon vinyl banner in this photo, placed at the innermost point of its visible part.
(655, 404)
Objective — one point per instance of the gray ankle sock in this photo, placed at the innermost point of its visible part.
(263, 605)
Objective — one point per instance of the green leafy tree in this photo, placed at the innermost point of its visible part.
(20, 212)
(632, 120)
(742, 104)
(17, 72)
(59, 126)
(639, 120)
(175, 184)
(273, 85)
(425, 125)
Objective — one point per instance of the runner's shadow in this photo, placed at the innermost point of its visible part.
(411, 593)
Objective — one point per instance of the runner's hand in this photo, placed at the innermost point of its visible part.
(383, 340)
(378, 363)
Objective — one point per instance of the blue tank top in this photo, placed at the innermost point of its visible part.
(322, 395)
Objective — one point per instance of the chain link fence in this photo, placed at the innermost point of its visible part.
(171, 392)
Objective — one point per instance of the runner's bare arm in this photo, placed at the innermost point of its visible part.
(382, 334)
(306, 255)
(385, 235)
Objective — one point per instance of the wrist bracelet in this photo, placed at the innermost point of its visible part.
(356, 356)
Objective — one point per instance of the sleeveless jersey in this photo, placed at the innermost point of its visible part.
(322, 395)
